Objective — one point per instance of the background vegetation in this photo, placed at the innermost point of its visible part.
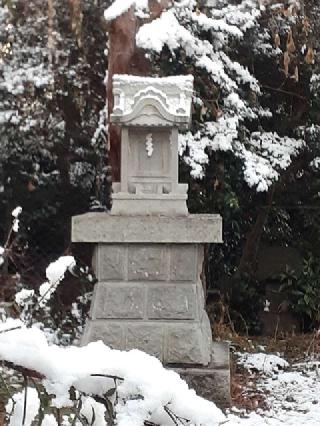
(53, 145)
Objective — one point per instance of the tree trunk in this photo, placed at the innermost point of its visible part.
(125, 58)
(248, 261)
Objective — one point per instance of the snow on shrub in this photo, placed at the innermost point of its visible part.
(23, 296)
(55, 273)
(146, 391)
(14, 228)
(15, 214)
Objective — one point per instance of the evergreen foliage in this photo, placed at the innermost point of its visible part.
(52, 100)
(252, 153)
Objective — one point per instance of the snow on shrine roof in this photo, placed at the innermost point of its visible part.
(165, 100)
(180, 81)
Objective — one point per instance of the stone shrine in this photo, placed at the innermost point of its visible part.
(150, 112)
(149, 251)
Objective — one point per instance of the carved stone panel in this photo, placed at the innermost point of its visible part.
(114, 300)
(172, 302)
(147, 263)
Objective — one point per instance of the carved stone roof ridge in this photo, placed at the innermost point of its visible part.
(152, 101)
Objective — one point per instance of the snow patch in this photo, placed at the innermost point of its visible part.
(17, 408)
(265, 363)
(49, 420)
(93, 411)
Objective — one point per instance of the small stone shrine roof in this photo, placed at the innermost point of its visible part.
(152, 102)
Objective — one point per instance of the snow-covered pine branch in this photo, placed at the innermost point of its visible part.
(207, 38)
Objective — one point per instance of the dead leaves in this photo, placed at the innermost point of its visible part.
(292, 10)
(309, 58)
(286, 63)
(291, 55)
(277, 40)
(298, 41)
(76, 19)
(291, 47)
(306, 26)
(295, 75)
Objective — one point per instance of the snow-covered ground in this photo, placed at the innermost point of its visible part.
(292, 395)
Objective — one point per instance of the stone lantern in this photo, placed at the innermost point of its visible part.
(149, 250)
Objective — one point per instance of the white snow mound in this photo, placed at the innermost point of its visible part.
(265, 363)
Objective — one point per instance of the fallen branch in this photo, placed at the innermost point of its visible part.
(285, 92)
(32, 374)
(10, 329)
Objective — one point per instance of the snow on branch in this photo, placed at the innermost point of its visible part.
(16, 80)
(244, 14)
(267, 154)
(15, 214)
(264, 155)
(119, 7)
(175, 28)
(2, 251)
(165, 30)
(13, 230)
(55, 273)
(218, 25)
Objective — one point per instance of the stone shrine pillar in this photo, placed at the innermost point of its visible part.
(149, 250)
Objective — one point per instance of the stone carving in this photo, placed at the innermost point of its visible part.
(149, 145)
(152, 102)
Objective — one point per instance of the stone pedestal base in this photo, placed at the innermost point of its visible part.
(211, 382)
(172, 343)
(150, 297)
(149, 294)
